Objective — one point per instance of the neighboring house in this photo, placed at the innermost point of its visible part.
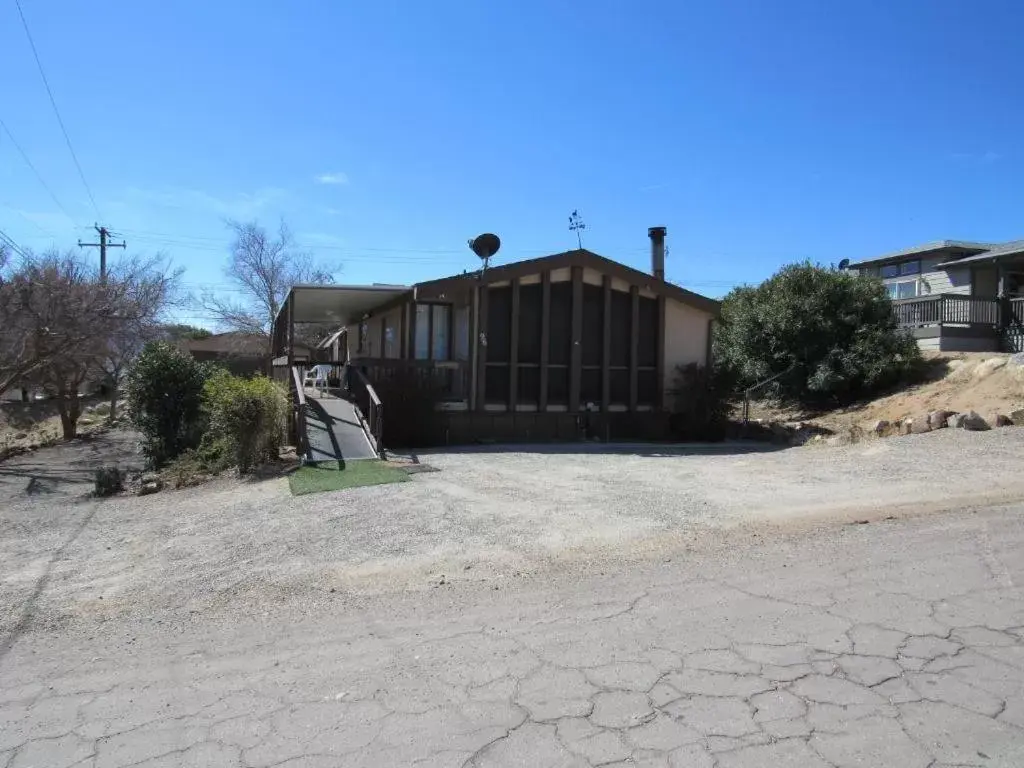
(244, 354)
(542, 349)
(956, 295)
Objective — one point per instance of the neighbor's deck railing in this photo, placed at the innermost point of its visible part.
(947, 309)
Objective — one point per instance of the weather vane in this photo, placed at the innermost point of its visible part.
(576, 225)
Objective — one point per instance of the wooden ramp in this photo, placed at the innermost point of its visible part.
(333, 431)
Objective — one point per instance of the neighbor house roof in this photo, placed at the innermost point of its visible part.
(577, 258)
(1012, 248)
(964, 247)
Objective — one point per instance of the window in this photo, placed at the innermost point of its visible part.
(422, 331)
(433, 322)
(903, 289)
(439, 328)
(901, 268)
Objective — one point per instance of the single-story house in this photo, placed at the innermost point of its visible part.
(244, 354)
(956, 295)
(548, 348)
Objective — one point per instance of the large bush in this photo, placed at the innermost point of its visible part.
(833, 332)
(165, 397)
(246, 417)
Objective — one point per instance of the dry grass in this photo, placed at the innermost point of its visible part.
(985, 382)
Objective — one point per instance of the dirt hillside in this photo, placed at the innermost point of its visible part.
(985, 382)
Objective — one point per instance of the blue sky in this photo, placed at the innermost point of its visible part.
(388, 133)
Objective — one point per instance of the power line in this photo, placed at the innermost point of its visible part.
(6, 239)
(34, 170)
(53, 103)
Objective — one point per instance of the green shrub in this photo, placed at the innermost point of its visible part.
(107, 481)
(246, 420)
(699, 404)
(165, 397)
(830, 333)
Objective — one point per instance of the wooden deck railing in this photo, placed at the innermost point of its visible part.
(298, 425)
(450, 378)
(1017, 311)
(369, 404)
(947, 309)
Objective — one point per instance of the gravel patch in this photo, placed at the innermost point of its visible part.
(485, 516)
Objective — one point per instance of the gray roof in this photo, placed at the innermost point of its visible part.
(1012, 248)
(966, 247)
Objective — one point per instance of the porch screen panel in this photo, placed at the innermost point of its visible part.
(529, 323)
(528, 348)
(559, 343)
(499, 345)
(647, 352)
(593, 325)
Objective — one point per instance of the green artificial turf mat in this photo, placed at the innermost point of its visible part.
(326, 476)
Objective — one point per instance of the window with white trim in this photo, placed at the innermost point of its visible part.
(902, 289)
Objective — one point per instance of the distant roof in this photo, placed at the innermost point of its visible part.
(230, 343)
(965, 247)
(338, 304)
(1012, 248)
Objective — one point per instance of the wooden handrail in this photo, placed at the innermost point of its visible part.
(368, 406)
(299, 413)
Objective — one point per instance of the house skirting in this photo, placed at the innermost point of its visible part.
(957, 338)
(467, 427)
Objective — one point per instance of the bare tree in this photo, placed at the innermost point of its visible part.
(263, 268)
(71, 325)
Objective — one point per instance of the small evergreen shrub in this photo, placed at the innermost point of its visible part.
(108, 481)
(165, 400)
(246, 420)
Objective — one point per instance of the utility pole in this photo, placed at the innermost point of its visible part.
(102, 245)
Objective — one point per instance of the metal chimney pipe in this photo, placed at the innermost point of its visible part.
(657, 235)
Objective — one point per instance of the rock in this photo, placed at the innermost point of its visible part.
(150, 487)
(881, 427)
(937, 419)
(1017, 417)
(149, 477)
(1002, 420)
(21, 436)
(974, 422)
(840, 439)
(956, 420)
(920, 424)
(905, 426)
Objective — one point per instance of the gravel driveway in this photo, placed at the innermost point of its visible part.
(486, 516)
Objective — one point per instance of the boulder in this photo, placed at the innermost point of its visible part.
(906, 426)
(881, 427)
(974, 422)
(1002, 420)
(1017, 417)
(920, 424)
(937, 419)
(956, 420)
(151, 486)
(21, 436)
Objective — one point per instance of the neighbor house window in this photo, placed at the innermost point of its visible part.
(902, 289)
(901, 269)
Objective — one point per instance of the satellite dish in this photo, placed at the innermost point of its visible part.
(844, 263)
(485, 246)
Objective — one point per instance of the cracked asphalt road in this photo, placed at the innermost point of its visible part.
(895, 643)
